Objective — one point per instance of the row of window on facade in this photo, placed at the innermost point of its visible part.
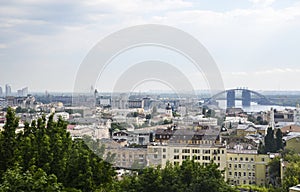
(195, 151)
(241, 165)
(246, 159)
(240, 174)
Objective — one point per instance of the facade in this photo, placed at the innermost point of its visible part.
(293, 143)
(136, 103)
(297, 115)
(176, 154)
(7, 90)
(246, 167)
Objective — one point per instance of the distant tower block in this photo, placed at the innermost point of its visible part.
(246, 98)
(230, 99)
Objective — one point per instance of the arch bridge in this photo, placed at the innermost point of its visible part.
(246, 97)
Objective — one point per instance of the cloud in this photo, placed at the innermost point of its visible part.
(262, 3)
(239, 39)
(3, 46)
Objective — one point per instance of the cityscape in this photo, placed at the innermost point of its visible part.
(146, 96)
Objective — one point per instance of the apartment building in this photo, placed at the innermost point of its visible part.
(245, 167)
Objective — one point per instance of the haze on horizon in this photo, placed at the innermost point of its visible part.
(255, 43)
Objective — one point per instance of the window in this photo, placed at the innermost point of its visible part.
(235, 174)
(230, 173)
(176, 150)
(164, 150)
(206, 151)
(219, 158)
(229, 165)
(241, 159)
(252, 159)
(164, 156)
(185, 150)
(235, 159)
(185, 157)
(222, 151)
(245, 174)
(155, 156)
(262, 159)
(230, 158)
(240, 166)
(247, 159)
(176, 156)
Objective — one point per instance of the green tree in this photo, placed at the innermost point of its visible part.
(274, 171)
(279, 142)
(8, 142)
(34, 180)
(270, 143)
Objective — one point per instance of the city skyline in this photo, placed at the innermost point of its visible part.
(253, 42)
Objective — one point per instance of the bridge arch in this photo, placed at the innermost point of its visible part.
(246, 97)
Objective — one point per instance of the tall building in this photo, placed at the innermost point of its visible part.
(1, 92)
(7, 90)
(25, 91)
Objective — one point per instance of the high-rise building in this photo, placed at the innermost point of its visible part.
(25, 91)
(1, 92)
(7, 90)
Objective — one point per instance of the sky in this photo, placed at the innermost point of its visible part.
(255, 43)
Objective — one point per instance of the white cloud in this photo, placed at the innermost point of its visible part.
(262, 3)
(3, 46)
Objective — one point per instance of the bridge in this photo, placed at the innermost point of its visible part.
(246, 97)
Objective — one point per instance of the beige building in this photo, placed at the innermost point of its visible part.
(293, 143)
(245, 167)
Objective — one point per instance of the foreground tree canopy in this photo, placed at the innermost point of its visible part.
(43, 157)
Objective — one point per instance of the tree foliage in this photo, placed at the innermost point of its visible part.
(188, 177)
(47, 147)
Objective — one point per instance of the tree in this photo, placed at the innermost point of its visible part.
(270, 143)
(8, 142)
(279, 142)
(274, 171)
(35, 180)
(190, 176)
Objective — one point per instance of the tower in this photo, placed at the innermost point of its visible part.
(169, 111)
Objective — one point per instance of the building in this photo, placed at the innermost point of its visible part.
(297, 115)
(202, 145)
(1, 91)
(124, 157)
(7, 90)
(177, 153)
(169, 111)
(135, 103)
(292, 142)
(246, 167)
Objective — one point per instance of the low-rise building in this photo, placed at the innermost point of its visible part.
(246, 167)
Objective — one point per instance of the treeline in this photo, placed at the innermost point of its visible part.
(43, 157)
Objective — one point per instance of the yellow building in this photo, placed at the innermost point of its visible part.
(293, 143)
(176, 154)
(245, 167)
